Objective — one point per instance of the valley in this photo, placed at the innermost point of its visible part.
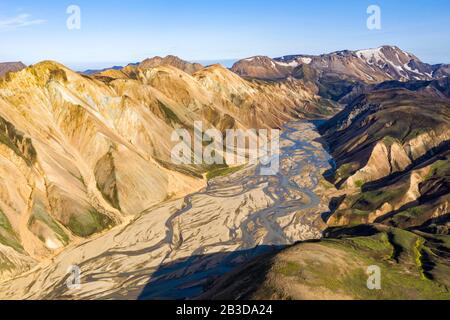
(173, 250)
(88, 181)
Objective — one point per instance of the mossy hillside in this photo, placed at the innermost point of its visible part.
(345, 171)
(411, 214)
(7, 235)
(221, 171)
(435, 258)
(408, 128)
(17, 142)
(389, 141)
(169, 116)
(349, 217)
(359, 207)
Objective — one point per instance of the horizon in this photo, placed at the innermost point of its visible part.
(228, 63)
(224, 150)
(115, 33)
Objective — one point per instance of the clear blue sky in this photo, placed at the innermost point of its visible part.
(117, 32)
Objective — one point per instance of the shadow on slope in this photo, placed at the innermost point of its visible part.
(190, 277)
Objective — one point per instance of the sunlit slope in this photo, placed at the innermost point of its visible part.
(337, 268)
(81, 154)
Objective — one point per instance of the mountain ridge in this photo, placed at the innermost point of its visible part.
(82, 154)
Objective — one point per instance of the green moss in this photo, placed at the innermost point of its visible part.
(359, 183)
(40, 214)
(444, 240)
(85, 225)
(345, 171)
(411, 217)
(326, 185)
(16, 141)
(410, 213)
(289, 269)
(416, 132)
(440, 168)
(7, 235)
(379, 242)
(398, 280)
(222, 171)
(5, 264)
(389, 141)
(169, 115)
(403, 239)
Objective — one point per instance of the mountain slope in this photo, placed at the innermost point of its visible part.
(173, 61)
(391, 152)
(80, 155)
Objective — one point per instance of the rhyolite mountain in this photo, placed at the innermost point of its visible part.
(95, 71)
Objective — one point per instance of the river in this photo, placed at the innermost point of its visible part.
(176, 249)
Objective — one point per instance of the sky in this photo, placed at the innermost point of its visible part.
(119, 32)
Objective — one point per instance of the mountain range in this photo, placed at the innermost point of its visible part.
(338, 74)
(81, 154)
(88, 155)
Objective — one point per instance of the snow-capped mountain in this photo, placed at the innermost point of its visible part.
(369, 66)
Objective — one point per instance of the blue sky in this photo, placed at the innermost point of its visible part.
(118, 32)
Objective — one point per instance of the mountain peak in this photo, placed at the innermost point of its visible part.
(173, 61)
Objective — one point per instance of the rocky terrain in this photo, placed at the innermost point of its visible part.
(413, 266)
(339, 74)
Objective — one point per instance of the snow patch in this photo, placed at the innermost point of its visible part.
(52, 245)
(292, 64)
(370, 55)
